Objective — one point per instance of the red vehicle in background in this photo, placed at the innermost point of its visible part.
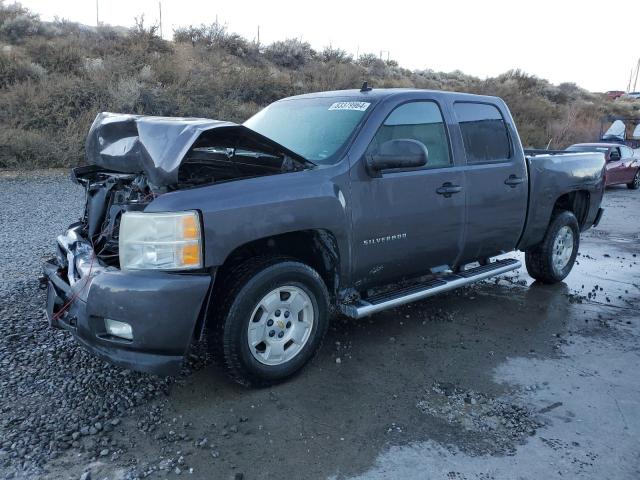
(622, 167)
(613, 94)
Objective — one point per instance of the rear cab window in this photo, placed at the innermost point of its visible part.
(484, 132)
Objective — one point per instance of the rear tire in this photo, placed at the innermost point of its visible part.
(552, 259)
(249, 335)
(635, 183)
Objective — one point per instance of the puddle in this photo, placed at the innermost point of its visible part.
(589, 402)
(583, 402)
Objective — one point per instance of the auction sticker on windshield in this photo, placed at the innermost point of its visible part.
(359, 106)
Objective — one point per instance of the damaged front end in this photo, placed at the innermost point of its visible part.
(134, 159)
(176, 153)
(141, 320)
(144, 319)
(108, 196)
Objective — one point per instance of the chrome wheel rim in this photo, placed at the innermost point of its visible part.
(562, 249)
(280, 325)
(636, 180)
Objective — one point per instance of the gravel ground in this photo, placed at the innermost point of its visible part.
(54, 397)
(506, 379)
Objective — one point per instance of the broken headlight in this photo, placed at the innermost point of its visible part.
(160, 241)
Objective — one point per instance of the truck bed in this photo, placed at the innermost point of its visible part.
(552, 171)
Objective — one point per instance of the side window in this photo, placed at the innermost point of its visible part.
(421, 121)
(484, 132)
(614, 154)
(626, 152)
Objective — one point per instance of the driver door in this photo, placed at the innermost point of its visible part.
(629, 165)
(404, 223)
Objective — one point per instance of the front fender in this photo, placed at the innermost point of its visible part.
(236, 213)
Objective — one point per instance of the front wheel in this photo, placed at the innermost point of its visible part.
(272, 316)
(552, 259)
(635, 183)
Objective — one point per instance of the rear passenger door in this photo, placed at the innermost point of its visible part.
(614, 166)
(495, 178)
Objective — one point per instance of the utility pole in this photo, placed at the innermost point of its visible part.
(160, 9)
(636, 80)
(97, 17)
(258, 36)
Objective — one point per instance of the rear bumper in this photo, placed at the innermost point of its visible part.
(162, 309)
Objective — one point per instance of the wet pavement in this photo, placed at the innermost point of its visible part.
(502, 380)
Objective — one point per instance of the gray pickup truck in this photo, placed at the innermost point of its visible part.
(254, 235)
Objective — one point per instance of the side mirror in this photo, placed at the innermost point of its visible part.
(614, 156)
(400, 153)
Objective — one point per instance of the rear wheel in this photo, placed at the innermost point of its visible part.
(635, 183)
(269, 320)
(552, 259)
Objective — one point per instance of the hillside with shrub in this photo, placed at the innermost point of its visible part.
(56, 76)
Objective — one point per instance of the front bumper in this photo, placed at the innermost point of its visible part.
(162, 309)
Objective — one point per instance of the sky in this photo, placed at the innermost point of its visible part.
(593, 44)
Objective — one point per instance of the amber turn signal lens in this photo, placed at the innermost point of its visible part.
(191, 254)
(190, 228)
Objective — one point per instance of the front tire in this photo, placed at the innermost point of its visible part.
(269, 320)
(552, 259)
(635, 183)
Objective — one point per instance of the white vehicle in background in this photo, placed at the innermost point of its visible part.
(615, 133)
(633, 95)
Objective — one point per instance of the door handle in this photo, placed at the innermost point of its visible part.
(513, 181)
(447, 189)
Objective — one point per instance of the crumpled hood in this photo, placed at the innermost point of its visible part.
(157, 146)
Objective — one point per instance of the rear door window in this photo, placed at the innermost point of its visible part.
(484, 132)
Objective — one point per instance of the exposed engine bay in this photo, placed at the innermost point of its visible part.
(214, 164)
(108, 195)
(128, 171)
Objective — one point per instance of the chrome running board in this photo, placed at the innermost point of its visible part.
(377, 303)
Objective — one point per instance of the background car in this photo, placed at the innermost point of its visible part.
(613, 94)
(623, 164)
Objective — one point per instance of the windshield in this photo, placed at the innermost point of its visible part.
(316, 128)
(587, 148)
